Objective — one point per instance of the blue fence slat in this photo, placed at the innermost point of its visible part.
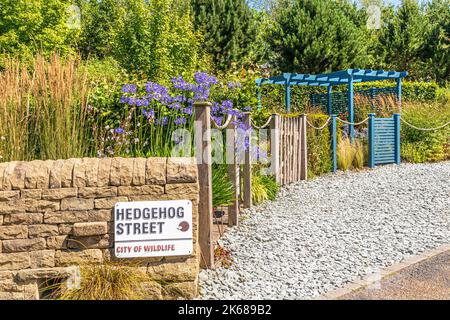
(384, 140)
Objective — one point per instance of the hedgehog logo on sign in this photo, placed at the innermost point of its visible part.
(183, 226)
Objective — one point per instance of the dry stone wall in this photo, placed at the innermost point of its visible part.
(56, 214)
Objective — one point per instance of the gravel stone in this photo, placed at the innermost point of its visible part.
(320, 234)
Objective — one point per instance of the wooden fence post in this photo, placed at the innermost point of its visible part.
(304, 147)
(248, 164)
(275, 146)
(233, 172)
(203, 156)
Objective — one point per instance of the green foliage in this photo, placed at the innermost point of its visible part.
(402, 39)
(263, 188)
(222, 188)
(315, 36)
(425, 146)
(228, 29)
(437, 46)
(271, 186)
(30, 26)
(319, 147)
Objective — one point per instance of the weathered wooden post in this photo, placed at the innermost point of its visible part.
(247, 184)
(275, 146)
(233, 172)
(203, 156)
(304, 147)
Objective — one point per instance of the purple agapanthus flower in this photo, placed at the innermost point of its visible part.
(119, 131)
(180, 121)
(162, 121)
(129, 88)
(150, 113)
(187, 111)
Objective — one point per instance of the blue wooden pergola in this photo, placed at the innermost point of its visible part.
(346, 77)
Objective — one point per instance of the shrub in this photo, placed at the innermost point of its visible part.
(319, 146)
(345, 154)
(424, 146)
(222, 188)
(263, 188)
(105, 281)
(358, 155)
(271, 186)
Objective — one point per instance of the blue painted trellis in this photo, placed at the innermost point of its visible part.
(346, 77)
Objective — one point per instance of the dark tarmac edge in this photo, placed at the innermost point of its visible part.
(422, 277)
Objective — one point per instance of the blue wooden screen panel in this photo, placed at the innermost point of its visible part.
(384, 140)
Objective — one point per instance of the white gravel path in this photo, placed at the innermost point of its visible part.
(320, 234)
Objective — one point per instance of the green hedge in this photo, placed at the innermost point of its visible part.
(273, 95)
(319, 146)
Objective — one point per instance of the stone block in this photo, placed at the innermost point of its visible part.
(42, 273)
(67, 173)
(77, 257)
(140, 190)
(121, 172)
(65, 217)
(103, 173)
(20, 245)
(77, 204)
(17, 178)
(155, 171)
(8, 172)
(57, 242)
(92, 242)
(24, 218)
(56, 176)
(14, 261)
(14, 206)
(185, 270)
(31, 194)
(9, 195)
(13, 232)
(89, 229)
(100, 215)
(33, 205)
(58, 194)
(98, 192)
(42, 230)
(42, 259)
(181, 170)
(139, 172)
(187, 190)
(37, 176)
(92, 172)
(3, 166)
(108, 203)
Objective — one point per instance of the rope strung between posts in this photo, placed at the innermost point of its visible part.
(425, 129)
(264, 125)
(225, 125)
(321, 127)
(352, 123)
